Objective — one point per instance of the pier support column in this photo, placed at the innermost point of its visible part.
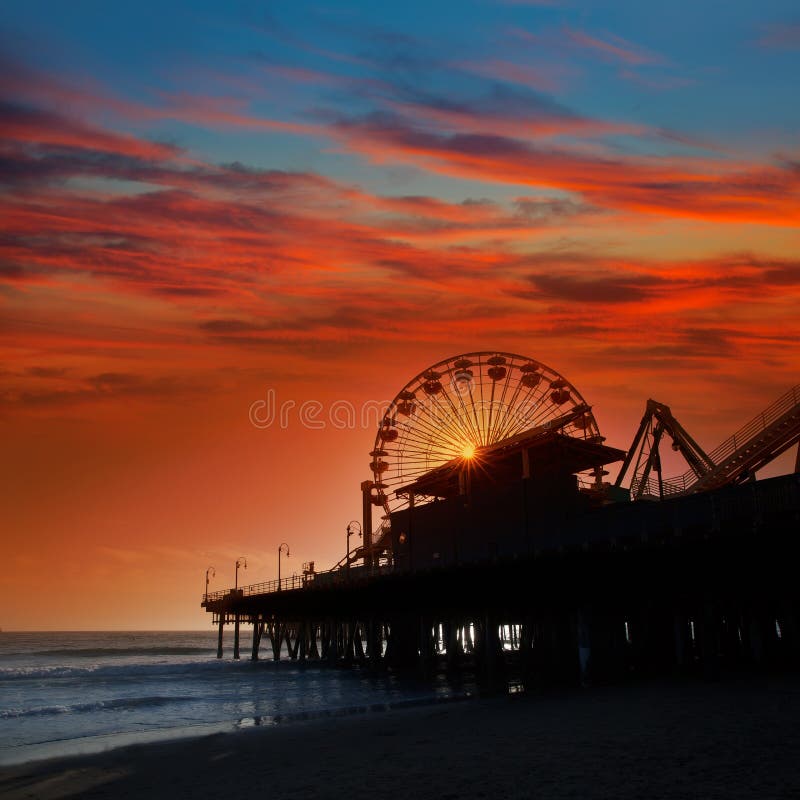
(526, 654)
(258, 628)
(755, 637)
(236, 637)
(427, 647)
(455, 652)
(219, 634)
(358, 643)
(299, 635)
(275, 638)
(313, 635)
(374, 643)
(491, 652)
(331, 639)
(302, 643)
(348, 638)
(401, 649)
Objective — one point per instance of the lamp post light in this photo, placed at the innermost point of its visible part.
(354, 526)
(240, 562)
(213, 573)
(280, 550)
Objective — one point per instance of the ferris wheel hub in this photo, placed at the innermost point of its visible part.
(456, 409)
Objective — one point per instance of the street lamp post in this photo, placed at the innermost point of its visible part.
(213, 573)
(240, 562)
(354, 526)
(280, 550)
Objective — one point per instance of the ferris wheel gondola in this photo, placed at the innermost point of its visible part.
(462, 404)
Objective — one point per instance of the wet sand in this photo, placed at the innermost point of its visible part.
(729, 739)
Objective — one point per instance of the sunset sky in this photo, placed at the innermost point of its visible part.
(203, 203)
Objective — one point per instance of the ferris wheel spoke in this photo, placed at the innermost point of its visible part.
(499, 408)
(518, 420)
(438, 432)
(474, 403)
(419, 443)
(471, 423)
(491, 413)
(472, 434)
(508, 416)
(454, 430)
(478, 413)
(505, 408)
(464, 433)
(473, 414)
(423, 419)
(483, 410)
(551, 410)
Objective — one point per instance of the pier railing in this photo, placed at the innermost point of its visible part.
(265, 587)
(332, 577)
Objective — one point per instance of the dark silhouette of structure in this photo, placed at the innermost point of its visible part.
(736, 460)
(501, 550)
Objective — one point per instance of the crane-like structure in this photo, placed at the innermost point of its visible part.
(736, 460)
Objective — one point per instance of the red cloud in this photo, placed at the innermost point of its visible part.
(691, 188)
(226, 259)
(26, 125)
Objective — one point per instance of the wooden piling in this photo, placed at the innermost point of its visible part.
(258, 629)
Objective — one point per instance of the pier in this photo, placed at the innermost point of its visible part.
(510, 560)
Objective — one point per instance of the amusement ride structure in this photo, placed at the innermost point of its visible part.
(491, 541)
(455, 416)
(458, 415)
(736, 460)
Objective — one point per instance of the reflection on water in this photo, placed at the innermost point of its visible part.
(71, 693)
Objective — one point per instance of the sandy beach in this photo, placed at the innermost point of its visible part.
(722, 740)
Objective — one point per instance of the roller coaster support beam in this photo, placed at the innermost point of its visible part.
(661, 414)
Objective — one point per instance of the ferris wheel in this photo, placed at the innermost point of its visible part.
(462, 404)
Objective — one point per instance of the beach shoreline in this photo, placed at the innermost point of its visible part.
(734, 738)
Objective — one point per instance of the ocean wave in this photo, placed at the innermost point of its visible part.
(100, 652)
(45, 672)
(199, 668)
(121, 703)
(121, 671)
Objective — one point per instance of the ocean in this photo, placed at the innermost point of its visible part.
(69, 693)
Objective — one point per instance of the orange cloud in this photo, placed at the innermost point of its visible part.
(691, 188)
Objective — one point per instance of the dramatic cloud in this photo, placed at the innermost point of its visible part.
(36, 126)
(608, 289)
(169, 252)
(671, 187)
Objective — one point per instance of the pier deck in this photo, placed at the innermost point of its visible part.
(699, 582)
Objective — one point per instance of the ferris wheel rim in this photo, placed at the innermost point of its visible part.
(507, 362)
(489, 353)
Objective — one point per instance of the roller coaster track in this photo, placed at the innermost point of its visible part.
(734, 461)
